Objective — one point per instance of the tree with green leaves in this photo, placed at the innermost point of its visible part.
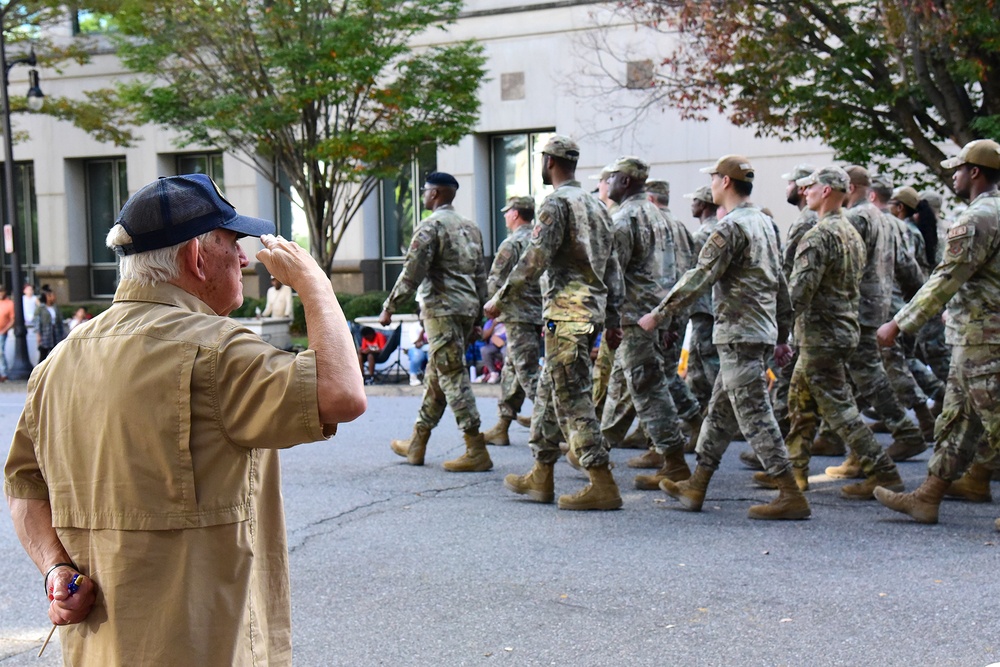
(332, 95)
(35, 26)
(876, 80)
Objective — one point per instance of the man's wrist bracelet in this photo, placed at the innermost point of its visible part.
(53, 568)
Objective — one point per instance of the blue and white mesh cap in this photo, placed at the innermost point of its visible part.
(175, 209)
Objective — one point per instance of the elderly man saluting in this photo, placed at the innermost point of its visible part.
(153, 506)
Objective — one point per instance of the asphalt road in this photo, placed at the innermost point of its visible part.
(395, 565)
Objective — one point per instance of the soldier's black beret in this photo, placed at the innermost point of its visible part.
(441, 178)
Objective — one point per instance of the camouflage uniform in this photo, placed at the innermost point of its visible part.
(523, 319)
(807, 220)
(824, 290)
(444, 266)
(639, 382)
(968, 281)
(894, 358)
(884, 262)
(703, 359)
(750, 298)
(572, 249)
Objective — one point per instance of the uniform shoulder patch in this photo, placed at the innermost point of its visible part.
(718, 240)
(958, 231)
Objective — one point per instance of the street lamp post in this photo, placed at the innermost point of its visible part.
(20, 369)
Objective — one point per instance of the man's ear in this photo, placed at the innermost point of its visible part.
(191, 260)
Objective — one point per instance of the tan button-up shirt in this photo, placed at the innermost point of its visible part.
(152, 433)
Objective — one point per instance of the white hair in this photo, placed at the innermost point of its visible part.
(150, 267)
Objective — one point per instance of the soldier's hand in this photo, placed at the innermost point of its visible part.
(614, 337)
(782, 354)
(385, 318)
(886, 334)
(649, 322)
(491, 309)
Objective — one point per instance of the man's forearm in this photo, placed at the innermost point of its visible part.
(32, 520)
(339, 383)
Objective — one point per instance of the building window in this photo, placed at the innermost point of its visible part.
(402, 211)
(27, 221)
(107, 190)
(517, 172)
(90, 22)
(209, 164)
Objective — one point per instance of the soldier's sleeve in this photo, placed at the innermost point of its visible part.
(624, 243)
(722, 245)
(615, 283)
(862, 224)
(418, 259)
(503, 264)
(788, 262)
(967, 250)
(807, 272)
(546, 237)
(785, 314)
(481, 276)
(907, 272)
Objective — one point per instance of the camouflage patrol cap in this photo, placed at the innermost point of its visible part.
(704, 194)
(933, 199)
(561, 146)
(520, 204)
(658, 187)
(906, 196)
(859, 175)
(603, 176)
(981, 152)
(735, 167)
(631, 166)
(800, 171)
(835, 177)
(883, 182)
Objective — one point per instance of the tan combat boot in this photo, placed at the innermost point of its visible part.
(538, 484)
(864, 490)
(413, 449)
(695, 425)
(925, 420)
(750, 460)
(828, 444)
(800, 475)
(573, 460)
(674, 468)
(498, 434)
(524, 421)
(475, 458)
(907, 445)
(974, 485)
(922, 504)
(601, 494)
(635, 440)
(790, 503)
(690, 492)
(849, 469)
(650, 459)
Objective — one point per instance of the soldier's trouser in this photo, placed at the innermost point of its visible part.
(971, 411)
(565, 403)
(740, 403)
(445, 380)
(602, 374)
(868, 373)
(703, 358)
(932, 348)
(906, 388)
(779, 391)
(519, 376)
(640, 374)
(819, 388)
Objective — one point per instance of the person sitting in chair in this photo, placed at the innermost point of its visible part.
(372, 342)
